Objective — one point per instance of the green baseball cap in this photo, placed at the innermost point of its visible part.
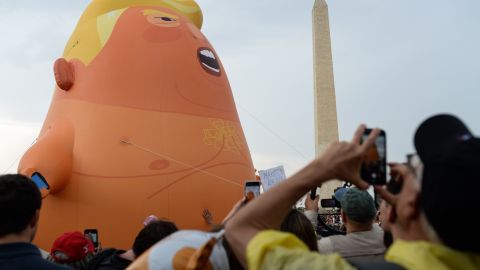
(358, 205)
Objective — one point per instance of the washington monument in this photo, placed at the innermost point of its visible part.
(326, 125)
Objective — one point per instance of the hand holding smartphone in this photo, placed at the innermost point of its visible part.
(374, 165)
(252, 186)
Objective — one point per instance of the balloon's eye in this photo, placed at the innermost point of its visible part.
(166, 19)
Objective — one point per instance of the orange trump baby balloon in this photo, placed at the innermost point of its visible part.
(142, 122)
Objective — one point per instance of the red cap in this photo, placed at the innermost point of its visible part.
(72, 244)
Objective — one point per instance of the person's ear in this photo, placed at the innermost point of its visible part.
(344, 217)
(64, 74)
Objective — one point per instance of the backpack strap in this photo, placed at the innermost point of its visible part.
(362, 264)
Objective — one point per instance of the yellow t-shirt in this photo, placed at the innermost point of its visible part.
(277, 250)
(270, 250)
(420, 255)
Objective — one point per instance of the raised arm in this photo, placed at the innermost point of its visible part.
(311, 210)
(342, 160)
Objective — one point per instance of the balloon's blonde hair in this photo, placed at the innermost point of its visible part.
(97, 22)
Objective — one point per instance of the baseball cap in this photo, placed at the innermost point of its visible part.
(339, 193)
(71, 247)
(357, 204)
(450, 182)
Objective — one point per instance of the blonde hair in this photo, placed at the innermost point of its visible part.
(97, 22)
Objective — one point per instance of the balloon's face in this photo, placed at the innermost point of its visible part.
(170, 28)
(156, 59)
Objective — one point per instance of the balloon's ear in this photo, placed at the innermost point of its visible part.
(64, 74)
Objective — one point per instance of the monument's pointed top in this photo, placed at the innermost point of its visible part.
(320, 4)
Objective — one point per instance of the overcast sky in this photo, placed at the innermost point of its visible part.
(395, 63)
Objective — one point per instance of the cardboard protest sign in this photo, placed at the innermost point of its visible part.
(271, 177)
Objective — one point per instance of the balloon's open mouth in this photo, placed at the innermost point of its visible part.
(209, 62)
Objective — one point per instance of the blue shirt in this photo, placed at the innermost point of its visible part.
(24, 256)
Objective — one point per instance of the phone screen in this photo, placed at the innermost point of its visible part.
(93, 237)
(92, 234)
(374, 165)
(253, 187)
(39, 181)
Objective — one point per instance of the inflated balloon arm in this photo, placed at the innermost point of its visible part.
(49, 161)
(64, 74)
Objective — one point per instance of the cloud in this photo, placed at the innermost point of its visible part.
(31, 41)
(16, 139)
(395, 63)
(32, 36)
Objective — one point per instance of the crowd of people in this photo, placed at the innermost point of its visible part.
(411, 228)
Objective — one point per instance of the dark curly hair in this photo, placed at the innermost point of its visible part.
(151, 234)
(19, 201)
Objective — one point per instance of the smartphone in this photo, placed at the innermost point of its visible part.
(92, 234)
(40, 181)
(252, 186)
(326, 203)
(313, 194)
(374, 165)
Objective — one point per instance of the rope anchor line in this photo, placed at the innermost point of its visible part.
(127, 141)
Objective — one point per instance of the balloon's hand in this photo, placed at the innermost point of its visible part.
(207, 216)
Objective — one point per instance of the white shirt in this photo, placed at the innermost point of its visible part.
(354, 244)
